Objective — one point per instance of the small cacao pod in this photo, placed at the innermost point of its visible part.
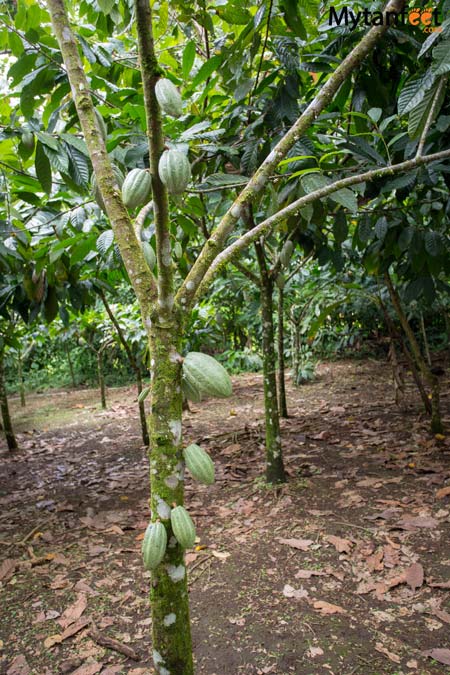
(174, 171)
(154, 545)
(280, 281)
(28, 141)
(149, 254)
(183, 527)
(286, 253)
(199, 464)
(168, 97)
(136, 188)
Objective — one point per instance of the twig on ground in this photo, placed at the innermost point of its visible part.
(111, 643)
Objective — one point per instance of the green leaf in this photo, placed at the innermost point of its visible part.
(51, 304)
(340, 227)
(43, 168)
(106, 5)
(441, 56)
(206, 70)
(234, 14)
(381, 228)
(365, 229)
(414, 91)
(418, 117)
(188, 58)
(433, 243)
(105, 241)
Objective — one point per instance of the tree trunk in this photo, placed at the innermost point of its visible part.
(432, 380)
(101, 379)
(172, 647)
(6, 418)
(426, 346)
(69, 360)
(144, 430)
(282, 404)
(21, 380)
(133, 363)
(274, 458)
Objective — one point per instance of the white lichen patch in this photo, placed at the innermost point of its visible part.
(172, 481)
(157, 658)
(175, 430)
(162, 508)
(148, 323)
(172, 542)
(190, 285)
(163, 671)
(152, 363)
(236, 211)
(176, 573)
(67, 36)
(174, 356)
(271, 156)
(166, 260)
(169, 619)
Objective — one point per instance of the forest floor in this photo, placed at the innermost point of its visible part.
(345, 570)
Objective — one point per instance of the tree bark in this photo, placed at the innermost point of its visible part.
(274, 457)
(432, 380)
(21, 379)
(172, 645)
(426, 346)
(282, 403)
(6, 417)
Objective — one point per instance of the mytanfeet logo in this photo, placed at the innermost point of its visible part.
(429, 20)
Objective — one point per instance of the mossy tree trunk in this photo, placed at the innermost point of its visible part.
(274, 457)
(431, 379)
(169, 594)
(282, 403)
(6, 417)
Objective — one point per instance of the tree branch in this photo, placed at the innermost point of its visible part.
(257, 183)
(272, 222)
(137, 268)
(431, 114)
(150, 73)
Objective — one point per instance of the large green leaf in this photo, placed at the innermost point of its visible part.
(43, 168)
(414, 91)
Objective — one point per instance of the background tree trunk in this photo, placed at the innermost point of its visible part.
(6, 418)
(282, 404)
(101, 379)
(274, 458)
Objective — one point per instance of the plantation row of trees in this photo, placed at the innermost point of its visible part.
(319, 180)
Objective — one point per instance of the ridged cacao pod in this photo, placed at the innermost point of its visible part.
(96, 190)
(154, 545)
(190, 389)
(149, 254)
(174, 171)
(207, 375)
(168, 97)
(136, 188)
(280, 281)
(183, 527)
(28, 141)
(199, 464)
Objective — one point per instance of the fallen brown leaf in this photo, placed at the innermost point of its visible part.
(341, 545)
(443, 492)
(307, 574)
(88, 669)
(290, 592)
(439, 654)
(300, 544)
(73, 612)
(7, 568)
(19, 666)
(327, 608)
(392, 657)
(414, 576)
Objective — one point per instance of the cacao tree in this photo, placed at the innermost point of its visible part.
(168, 293)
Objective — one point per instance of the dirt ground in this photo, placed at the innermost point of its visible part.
(345, 570)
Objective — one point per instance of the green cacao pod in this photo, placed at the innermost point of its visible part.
(183, 527)
(174, 171)
(149, 254)
(168, 97)
(190, 389)
(101, 124)
(286, 253)
(280, 281)
(207, 374)
(136, 188)
(96, 190)
(154, 545)
(199, 464)
(28, 141)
